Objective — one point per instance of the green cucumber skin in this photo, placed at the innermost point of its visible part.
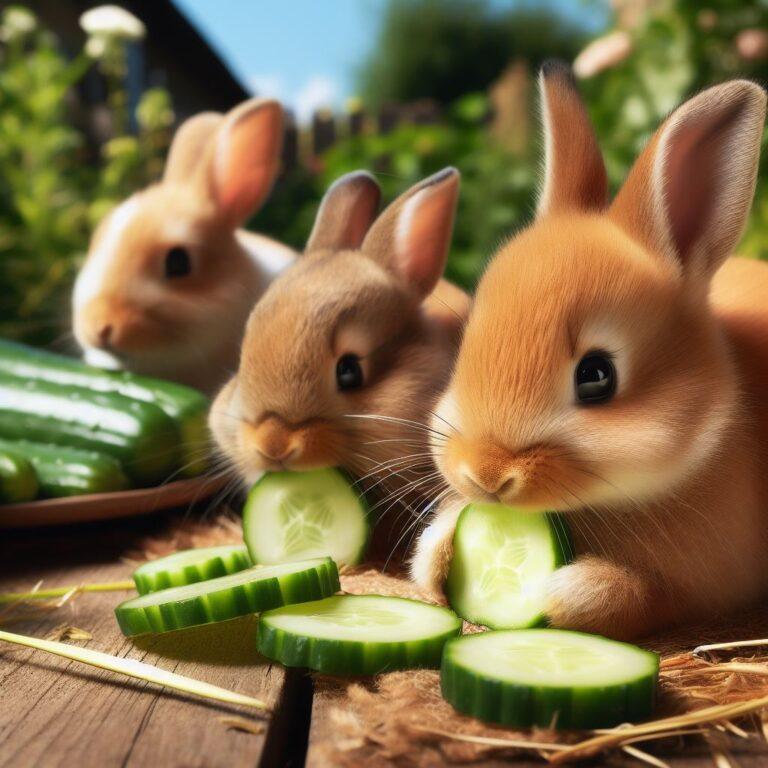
(566, 551)
(521, 706)
(250, 517)
(367, 514)
(63, 471)
(212, 568)
(18, 480)
(564, 554)
(186, 406)
(350, 657)
(230, 602)
(139, 435)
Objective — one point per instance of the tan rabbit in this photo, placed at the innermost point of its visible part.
(169, 280)
(349, 348)
(604, 373)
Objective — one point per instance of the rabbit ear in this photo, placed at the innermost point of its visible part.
(346, 213)
(689, 193)
(188, 146)
(574, 172)
(245, 158)
(411, 238)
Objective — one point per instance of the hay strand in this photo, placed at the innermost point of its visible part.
(614, 738)
(489, 741)
(139, 670)
(47, 594)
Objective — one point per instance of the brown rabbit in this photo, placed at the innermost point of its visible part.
(170, 279)
(610, 371)
(349, 348)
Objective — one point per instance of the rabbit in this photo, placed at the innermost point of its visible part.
(169, 279)
(611, 369)
(350, 346)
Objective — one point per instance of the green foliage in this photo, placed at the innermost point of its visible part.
(443, 49)
(54, 186)
(496, 194)
(496, 186)
(677, 50)
(51, 191)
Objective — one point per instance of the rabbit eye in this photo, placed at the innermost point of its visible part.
(177, 262)
(595, 378)
(349, 373)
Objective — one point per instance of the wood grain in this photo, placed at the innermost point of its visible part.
(56, 712)
(59, 713)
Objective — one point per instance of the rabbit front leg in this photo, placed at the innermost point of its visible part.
(596, 595)
(434, 549)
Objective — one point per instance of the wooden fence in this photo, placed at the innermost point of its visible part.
(303, 144)
(508, 119)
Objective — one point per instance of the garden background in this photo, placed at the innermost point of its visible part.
(449, 82)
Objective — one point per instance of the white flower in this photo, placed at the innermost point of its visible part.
(96, 46)
(17, 21)
(112, 21)
(603, 53)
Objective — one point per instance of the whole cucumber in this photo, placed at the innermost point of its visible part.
(139, 435)
(18, 481)
(63, 471)
(187, 406)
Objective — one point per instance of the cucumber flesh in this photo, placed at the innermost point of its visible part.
(190, 566)
(63, 471)
(357, 634)
(549, 678)
(501, 563)
(296, 515)
(18, 481)
(249, 591)
(186, 406)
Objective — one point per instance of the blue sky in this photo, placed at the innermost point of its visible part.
(305, 52)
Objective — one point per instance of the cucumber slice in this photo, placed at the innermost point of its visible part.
(357, 634)
(295, 515)
(502, 560)
(190, 566)
(250, 591)
(549, 677)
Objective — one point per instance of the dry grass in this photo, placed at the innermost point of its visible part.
(225, 528)
(717, 692)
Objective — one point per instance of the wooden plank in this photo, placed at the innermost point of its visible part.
(55, 712)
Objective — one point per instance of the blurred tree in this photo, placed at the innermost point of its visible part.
(443, 49)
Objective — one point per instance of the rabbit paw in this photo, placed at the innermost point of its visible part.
(434, 552)
(596, 595)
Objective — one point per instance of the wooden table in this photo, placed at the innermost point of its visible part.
(54, 712)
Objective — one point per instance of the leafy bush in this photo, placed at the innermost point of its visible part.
(51, 190)
(673, 50)
(676, 50)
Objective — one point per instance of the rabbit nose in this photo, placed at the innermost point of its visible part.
(490, 480)
(276, 441)
(104, 335)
